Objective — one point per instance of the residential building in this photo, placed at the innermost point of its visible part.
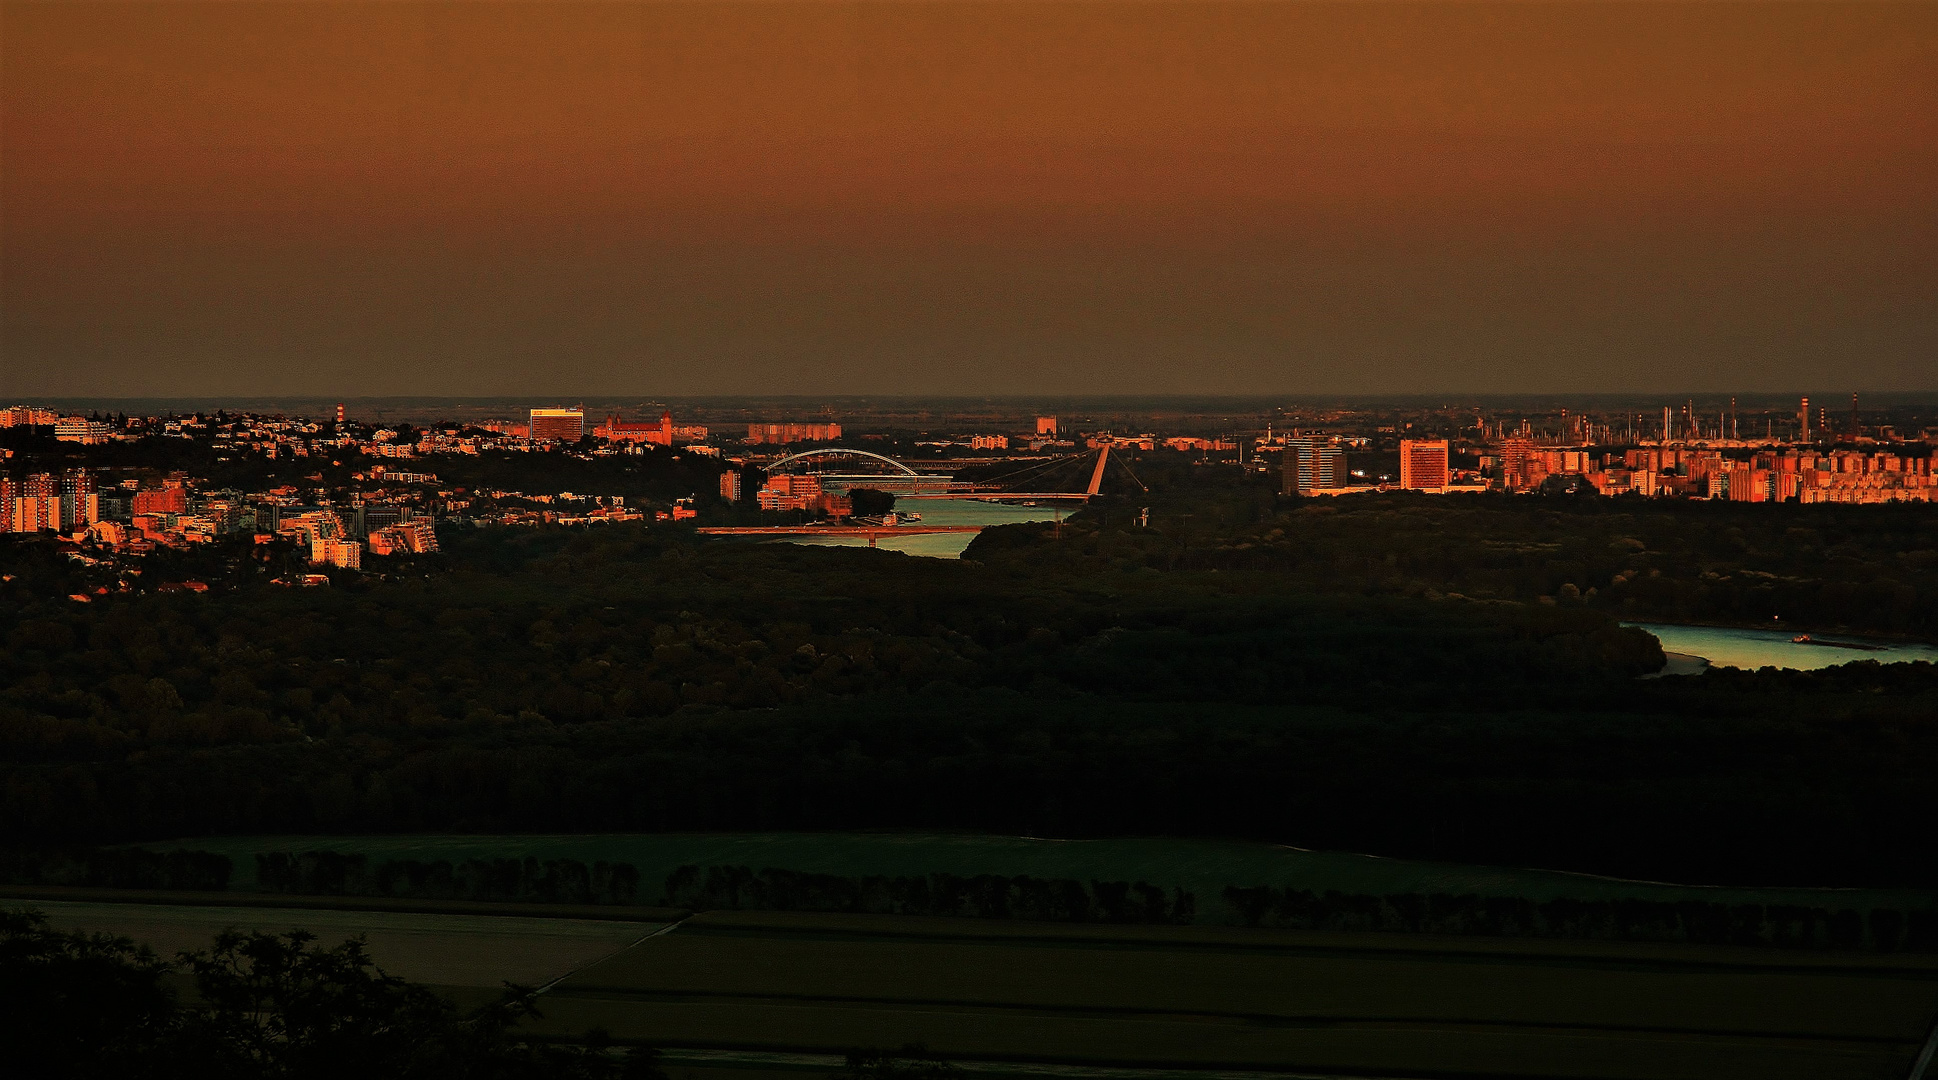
(172, 500)
(785, 434)
(414, 537)
(1313, 463)
(1521, 466)
(788, 492)
(79, 429)
(730, 485)
(28, 416)
(333, 551)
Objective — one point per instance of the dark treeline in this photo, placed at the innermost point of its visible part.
(552, 881)
(1115, 681)
(995, 896)
(1803, 778)
(116, 868)
(1693, 922)
(1862, 569)
(983, 896)
(697, 888)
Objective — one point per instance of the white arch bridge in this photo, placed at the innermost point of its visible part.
(840, 469)
(899, 479)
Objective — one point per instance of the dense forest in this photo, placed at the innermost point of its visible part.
(1394, 674)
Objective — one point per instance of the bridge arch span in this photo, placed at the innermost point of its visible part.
(836, 452)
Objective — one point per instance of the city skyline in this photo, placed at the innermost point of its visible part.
(212, 199)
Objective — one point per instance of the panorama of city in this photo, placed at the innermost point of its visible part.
(305, 494)
(967, 540)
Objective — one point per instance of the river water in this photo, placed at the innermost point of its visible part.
(1730, 647)
(940, 512)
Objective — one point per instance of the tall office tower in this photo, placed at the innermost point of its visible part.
(1423, 464)
(564, 425)
(1803, 421)
(8, 492)
(1312, 464)
(730, 485)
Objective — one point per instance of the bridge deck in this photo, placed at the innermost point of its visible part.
(871, 532)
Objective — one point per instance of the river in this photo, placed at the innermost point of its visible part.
(1731, 647)
(941, 512)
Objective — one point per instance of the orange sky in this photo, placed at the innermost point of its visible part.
(284, 197)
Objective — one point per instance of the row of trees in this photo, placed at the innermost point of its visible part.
(1693, 922)
(983, 896)
(552, 881)
(116, 868)
(995, 896)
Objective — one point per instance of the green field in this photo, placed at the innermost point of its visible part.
(1219, 1000)
(1202, 867)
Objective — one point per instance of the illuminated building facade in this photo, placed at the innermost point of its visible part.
(557, 425)
(1423, 464)
(1313, 464)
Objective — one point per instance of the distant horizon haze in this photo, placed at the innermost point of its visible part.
(960, 197)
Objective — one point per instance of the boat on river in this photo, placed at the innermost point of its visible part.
(1806, 639)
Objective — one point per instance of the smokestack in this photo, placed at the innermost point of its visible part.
(339, 412)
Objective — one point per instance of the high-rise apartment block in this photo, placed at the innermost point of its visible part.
(783, 434)
(557, 425)
(1046, 425)
(1423, 464)
(1522, 467)
(80, 505)
(45, 501)
(28, 416)
(1313, 464)
(730, 485)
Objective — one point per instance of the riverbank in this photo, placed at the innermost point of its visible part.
(1739, 647)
